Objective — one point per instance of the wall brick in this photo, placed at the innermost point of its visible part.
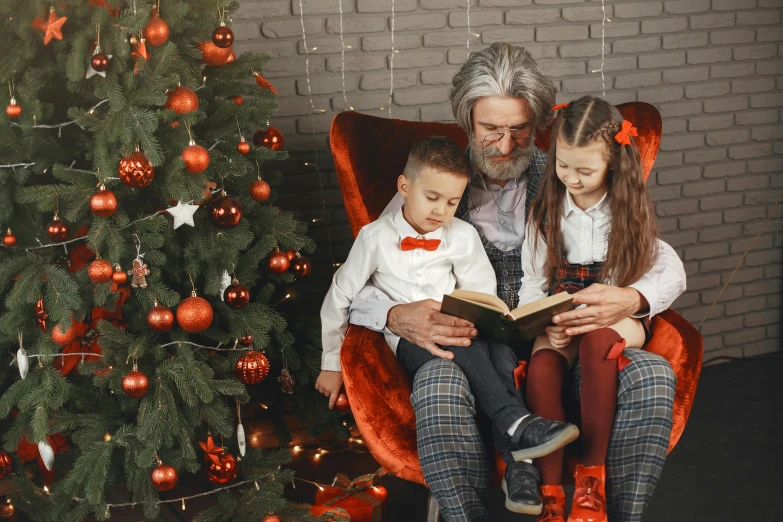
(558, 68)
(356, 63)
(613, 63)
(581, 50)
(413, 59)
(705, 155)
(727, 137)
(614, 29)
(444, 39)
(685, 40)
(758, 17)
(731, 5)
(319, 7)
(756, 117)
(378, 6)
(533, 16)
(766, 100)
(753, 85)
(755, 52)
(773, 67)
(561, 33)
(402, 80)
(662, 94)
(707, 235)
(365, 24)
(664, 25)
(638, 9)
(712, 21)
(515, 34)
(437, 76)
(383, 43)
(632, 81)
(769, 34)
(720, 121)
(732, 36)
(431, 95)
(726, 104)
(586, 13)
(660, 60)
(477, 18)
(704, 187)
(419, 21)
(707, 90)
(636, 45)
(720, 202)
(686, 6)
(260, 10)
(722, 54)
(732, 70)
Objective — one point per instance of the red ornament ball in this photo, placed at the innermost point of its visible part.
(265, 84)
(160, 318)
(100, 62)
(272, 518)
(341, 404)
(225, 211)
(213, 55)
(182, 100)
(252, 367)
(164, 477)
(238, 100)
(119, 277)
(57, 230)
(278, 262)
(243, 147)
(135, 384)
(194, 314)
(223, 37)
(103, 203)
(13, 110)
(62, 338)
(100, 271)
(271, 138)
(260, 190)
(291, 253)
(246, 340)
(236, 295)
(9, 239)
(225, 471)
(6, 464)
(196, 158)
(135, 170)
(156, 32)
(302, 266)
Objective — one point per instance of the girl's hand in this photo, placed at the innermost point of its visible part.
(557, 336)
(329, 383)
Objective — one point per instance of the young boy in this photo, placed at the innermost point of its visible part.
(422, 252)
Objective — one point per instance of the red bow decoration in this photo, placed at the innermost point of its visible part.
(616, 352)
(559, 106)
(330, 514)
(520, 374)
(626, 131)
(587, 494)
(355, 488)
(409, 243)
(28, 451)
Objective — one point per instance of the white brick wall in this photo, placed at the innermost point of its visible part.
(712, 67)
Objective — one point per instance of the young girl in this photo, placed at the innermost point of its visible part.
(592, 221)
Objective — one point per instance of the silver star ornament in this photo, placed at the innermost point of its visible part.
(183, 214)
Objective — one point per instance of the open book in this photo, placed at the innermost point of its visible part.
(491, 315)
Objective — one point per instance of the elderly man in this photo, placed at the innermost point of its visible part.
(500, 99)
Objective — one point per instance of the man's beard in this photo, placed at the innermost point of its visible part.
(484, 162)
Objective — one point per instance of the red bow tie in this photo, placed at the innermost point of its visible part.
(409, 243)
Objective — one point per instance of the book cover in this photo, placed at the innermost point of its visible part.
(491, 315)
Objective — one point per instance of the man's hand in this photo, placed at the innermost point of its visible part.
(557, 336)
(329, 383)
(606, 305)
(421, 323)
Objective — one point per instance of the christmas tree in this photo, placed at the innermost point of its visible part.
(143, 264)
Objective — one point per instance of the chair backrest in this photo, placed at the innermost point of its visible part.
(370, 152)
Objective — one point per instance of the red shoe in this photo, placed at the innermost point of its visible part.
(553, 498)
(589, 503)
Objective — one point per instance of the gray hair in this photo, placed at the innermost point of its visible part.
(502, 70)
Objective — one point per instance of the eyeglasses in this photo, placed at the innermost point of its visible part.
(518, 135)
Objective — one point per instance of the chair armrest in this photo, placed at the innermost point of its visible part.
(379, 392)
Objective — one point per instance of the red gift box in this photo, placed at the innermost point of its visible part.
(361, 498)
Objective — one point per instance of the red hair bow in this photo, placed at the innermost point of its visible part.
(559, 106)
(624, 136)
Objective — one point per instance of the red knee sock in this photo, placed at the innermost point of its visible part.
(544, 395)
(599, 392)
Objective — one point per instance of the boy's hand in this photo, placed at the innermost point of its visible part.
(557, 336)
(329, 383)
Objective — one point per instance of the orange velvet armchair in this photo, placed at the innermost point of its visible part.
(369, 153)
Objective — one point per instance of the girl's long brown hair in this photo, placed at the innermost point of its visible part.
(633, 238)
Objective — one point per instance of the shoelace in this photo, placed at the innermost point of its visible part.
(588, 495)
(551, 510)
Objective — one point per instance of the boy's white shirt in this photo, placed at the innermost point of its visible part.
(585, 241)
(460, 261)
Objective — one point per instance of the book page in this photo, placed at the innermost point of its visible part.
(486, 300)
(553, 302)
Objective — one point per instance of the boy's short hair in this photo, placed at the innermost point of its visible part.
(437, 152)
